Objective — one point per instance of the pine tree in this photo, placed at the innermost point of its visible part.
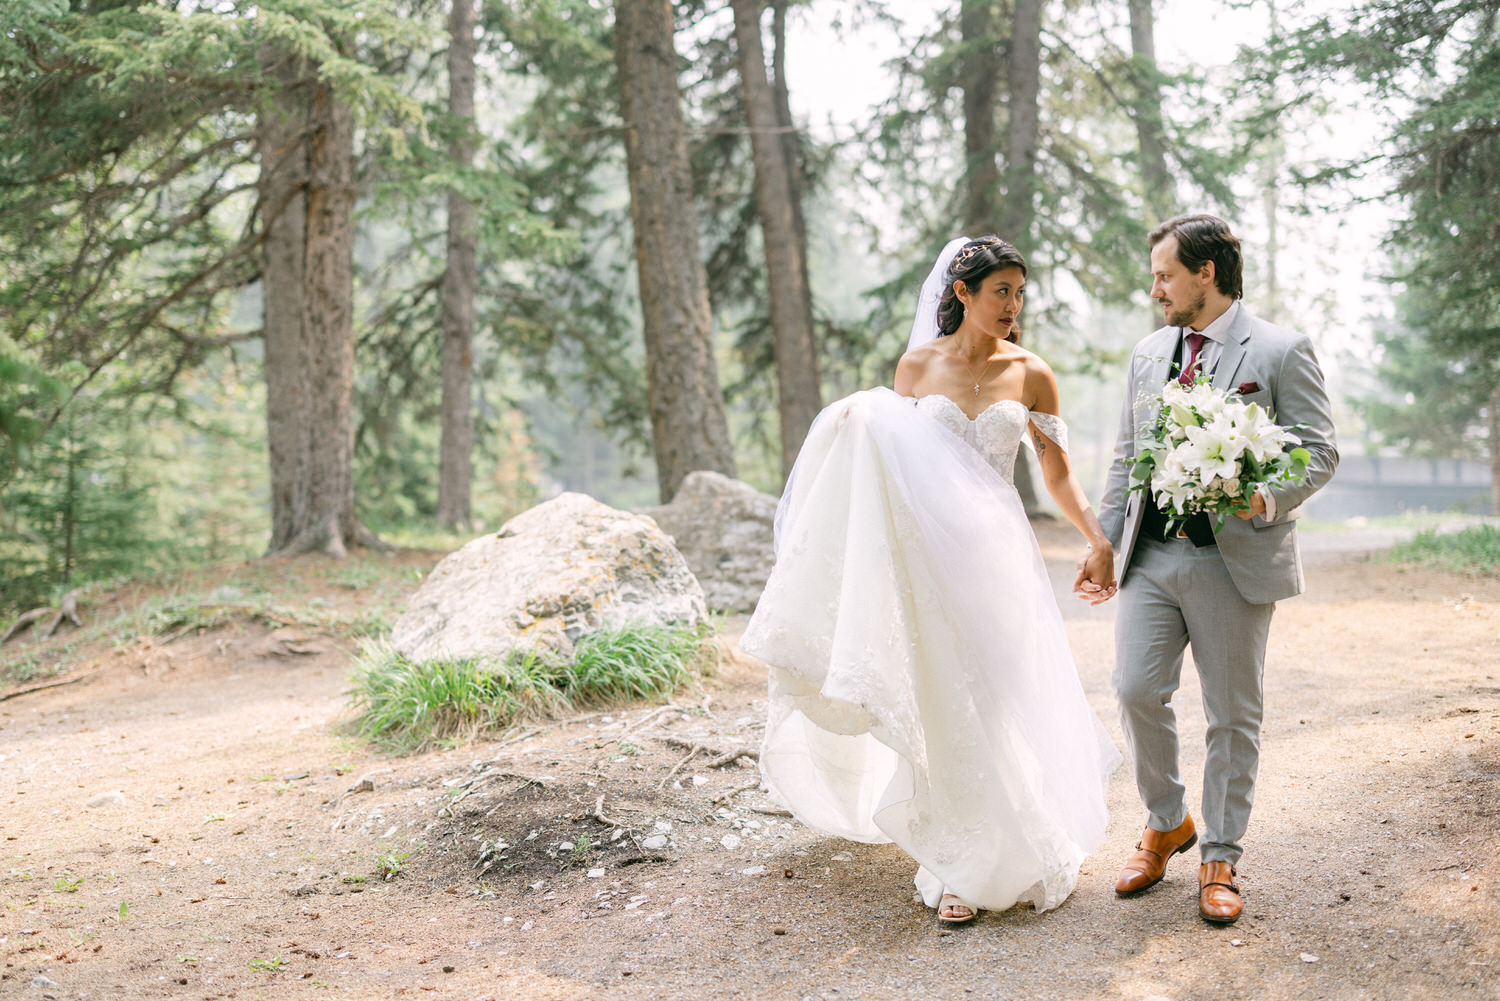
(689, 431)
(459, 278)
(1445, 150)
(135, 224)
(783, 238)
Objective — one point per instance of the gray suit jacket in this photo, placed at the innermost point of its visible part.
(1261, 555)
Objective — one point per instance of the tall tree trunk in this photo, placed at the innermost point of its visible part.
(70, 505)
(791, 138)
(980, 73)
(1275, 150)
(1023, 73)
(688, 428)
(1018, 207)
(1149, 130)
(791, 304)
(1495, 450)
(307, 195)
(455, 467)
(1271, 202)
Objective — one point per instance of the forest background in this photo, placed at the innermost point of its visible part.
(303, 275)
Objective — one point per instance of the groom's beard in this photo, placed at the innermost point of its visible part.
(1185, 315)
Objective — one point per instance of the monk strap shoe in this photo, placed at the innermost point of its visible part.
(1149, 863)
(1219, 898)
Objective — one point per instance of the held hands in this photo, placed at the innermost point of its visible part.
(1095, 582)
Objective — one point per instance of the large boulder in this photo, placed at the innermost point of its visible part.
(724, 528)
(565, 568)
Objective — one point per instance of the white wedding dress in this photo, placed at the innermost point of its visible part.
(921, 686)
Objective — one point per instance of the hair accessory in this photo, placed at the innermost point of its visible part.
(968, 253)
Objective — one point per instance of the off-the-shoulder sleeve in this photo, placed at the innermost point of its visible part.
(1053, 427)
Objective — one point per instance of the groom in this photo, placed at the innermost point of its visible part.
(1211, 589)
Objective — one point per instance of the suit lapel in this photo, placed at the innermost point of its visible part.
(1234, 351)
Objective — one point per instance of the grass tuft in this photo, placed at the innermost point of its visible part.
(409, 706)
(183, 602)
(1473, 550)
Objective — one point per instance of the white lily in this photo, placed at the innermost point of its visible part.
(1215, 450)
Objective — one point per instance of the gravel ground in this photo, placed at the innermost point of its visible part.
(628, 855)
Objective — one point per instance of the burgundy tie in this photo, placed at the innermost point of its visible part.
(1189, 371)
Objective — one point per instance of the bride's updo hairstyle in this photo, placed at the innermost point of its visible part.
(974, 261)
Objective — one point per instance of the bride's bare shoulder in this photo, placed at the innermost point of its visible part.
(1032, 362)
(922, 354)
(1041, 383)
(914, 365)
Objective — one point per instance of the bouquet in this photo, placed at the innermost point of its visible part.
(1209, 451)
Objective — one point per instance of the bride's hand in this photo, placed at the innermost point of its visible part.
(1095, 582)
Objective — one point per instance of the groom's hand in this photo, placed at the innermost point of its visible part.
(1085, 588)
(1257, 506)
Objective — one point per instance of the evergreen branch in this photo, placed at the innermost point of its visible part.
(122, 250)
(1098, 74)
(155, 309)
(79, 69)
(211, 341)
(389, 312)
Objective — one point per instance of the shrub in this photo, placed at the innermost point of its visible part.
(408, 706)
(1474, 550)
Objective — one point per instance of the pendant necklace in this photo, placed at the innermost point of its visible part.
(980, 379)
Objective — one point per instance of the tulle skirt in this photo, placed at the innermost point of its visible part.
(921, 687)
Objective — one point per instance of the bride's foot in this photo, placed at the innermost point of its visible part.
(953, 911)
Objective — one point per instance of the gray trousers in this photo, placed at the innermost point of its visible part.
(1175, 594)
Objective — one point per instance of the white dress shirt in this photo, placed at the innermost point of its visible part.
(1214, 334)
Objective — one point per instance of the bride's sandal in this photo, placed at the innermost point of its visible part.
(952, 910)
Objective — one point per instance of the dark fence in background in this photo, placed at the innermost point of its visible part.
(1372, 486)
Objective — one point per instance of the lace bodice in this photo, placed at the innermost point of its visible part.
(997, 432)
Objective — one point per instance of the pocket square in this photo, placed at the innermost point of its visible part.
(1246, 388)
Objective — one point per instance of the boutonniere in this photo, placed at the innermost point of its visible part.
(1246, 388)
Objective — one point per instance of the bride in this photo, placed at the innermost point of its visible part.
(921, 687)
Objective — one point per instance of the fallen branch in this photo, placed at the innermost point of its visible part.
(544, 728)
(472, 786)
(26, 619)
(677, 767)
(730, 757)
(69, 610)
(720, 758)
(598, 815)
(641, 723)
(731, 794)
(51, 684)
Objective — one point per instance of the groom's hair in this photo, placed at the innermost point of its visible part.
(1204, 238)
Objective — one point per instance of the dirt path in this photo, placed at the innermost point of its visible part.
(241, 856)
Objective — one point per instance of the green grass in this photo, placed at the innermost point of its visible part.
(408, 706)
(1419, 521)
(182, 602)
(1473, 551)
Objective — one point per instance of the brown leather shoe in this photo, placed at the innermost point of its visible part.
(1219, 899)
(1149, 863)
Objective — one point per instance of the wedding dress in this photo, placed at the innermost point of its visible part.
(921, 686)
